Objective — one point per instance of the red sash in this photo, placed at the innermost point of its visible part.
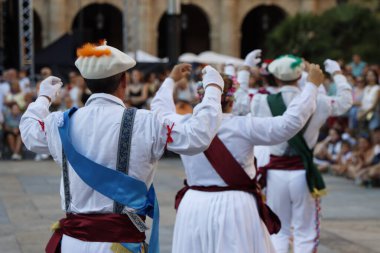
(115, 228)
(237, 179)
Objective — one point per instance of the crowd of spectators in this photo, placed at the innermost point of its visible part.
(349, 145)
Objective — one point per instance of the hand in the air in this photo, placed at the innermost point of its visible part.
(315, 75)
(211, 76)
(49, 87)
(253, 58)
(332, 67)
(180, 71)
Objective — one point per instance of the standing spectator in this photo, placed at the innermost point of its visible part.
(5, 86)
(137, 92)
(153, 85)
(85, 93)
(184, 96)
(1, 133)
(16, 95)
(370, 108)
(357, 95)
(24, 81)
(11, 127)
(357, 65)
(45, 72)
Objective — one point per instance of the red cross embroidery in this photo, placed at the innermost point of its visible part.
(169, 138)
(42, 125)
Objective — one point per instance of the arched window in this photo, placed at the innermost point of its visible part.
(99, 21)
(195, 31)
(257, 24)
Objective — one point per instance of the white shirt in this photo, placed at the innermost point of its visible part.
(326, 107)
(25, 85)
(369, 96)
(241, 133)
(5, 88)
(95, 134)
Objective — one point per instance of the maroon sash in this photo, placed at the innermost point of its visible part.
(115, 228)
(237, 179)
(288, 163)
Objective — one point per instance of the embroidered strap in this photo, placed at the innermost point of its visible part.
(124, 148)
(66, 181)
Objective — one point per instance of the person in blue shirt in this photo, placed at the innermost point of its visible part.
(357, 65)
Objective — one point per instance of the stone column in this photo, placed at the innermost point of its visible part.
(55, 15)
(147, 30)
(229, 32)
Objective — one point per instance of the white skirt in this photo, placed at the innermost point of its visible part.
(213, 222)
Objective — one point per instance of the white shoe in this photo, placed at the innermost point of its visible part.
(16, 157)
(37, 158)
(44, 156)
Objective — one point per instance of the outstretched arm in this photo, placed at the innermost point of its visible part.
(189, 134)
(242, 99)
(275, 130)
(32, 126)
(340, 103)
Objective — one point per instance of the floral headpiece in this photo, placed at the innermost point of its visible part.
(230, 87)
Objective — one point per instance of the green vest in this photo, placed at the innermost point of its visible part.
(313, 176)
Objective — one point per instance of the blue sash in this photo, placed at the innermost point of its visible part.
(113, 184)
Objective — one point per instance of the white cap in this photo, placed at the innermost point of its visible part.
(98, 62)
(229, 69)
(286, 68)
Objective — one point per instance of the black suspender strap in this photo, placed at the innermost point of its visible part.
(124, 147)
(66, 181)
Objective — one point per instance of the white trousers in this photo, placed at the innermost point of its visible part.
(289, 197)
(213, 222)
(72, 245)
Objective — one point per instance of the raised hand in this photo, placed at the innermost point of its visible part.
(315, 74)
(49, 88)
(212, 76)
(180, 71)
(332, 67)
(253, 58)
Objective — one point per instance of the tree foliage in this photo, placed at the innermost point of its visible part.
(337, 33)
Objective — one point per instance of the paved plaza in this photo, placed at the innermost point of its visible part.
(30, 203)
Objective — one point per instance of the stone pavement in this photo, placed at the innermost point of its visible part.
(29, 204)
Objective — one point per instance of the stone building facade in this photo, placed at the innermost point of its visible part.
(225, 20)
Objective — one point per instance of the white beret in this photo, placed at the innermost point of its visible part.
(286, 68)
(98, 62)
(229, 69)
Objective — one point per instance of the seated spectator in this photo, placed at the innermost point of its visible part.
(137, 92)
(12, 132)
(326, 152)
(369, 112)
(372, 170)
(361, 157)
(343, 159)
